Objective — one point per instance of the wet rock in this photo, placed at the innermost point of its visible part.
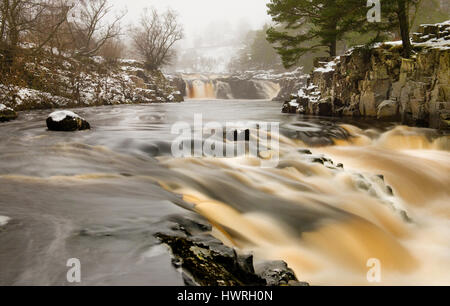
(241, 135)
(238, 135)
(277, 273)
(304, 151)
(7, 113)
(66, 121)
(290, 107)
(206, 261)
(380, 83)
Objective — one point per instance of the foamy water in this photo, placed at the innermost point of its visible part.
(327, 222)
(101, 195)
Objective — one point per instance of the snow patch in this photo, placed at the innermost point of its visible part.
(329, 67)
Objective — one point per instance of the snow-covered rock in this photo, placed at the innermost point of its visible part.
(7, 113)
(66, 121)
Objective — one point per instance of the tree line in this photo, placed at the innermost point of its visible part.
(304, 29)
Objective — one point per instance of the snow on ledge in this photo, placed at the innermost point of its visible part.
(61, 115)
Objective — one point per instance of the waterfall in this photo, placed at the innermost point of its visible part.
(226, 87)
(200, 89)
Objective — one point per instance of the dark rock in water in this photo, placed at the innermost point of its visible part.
(238, 135)
(206, 261)
(277, 273)
(305, 151)
(241, 135)
(66, 121)
(6, 113)
(290, 107)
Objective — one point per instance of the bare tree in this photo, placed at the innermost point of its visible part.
(155, 37)
(22, 18)
(90, 27)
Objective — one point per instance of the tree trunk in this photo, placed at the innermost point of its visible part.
(333, 48)
(403, 18)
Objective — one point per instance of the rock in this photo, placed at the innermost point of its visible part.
(277, 273)
(206, 261)
(290, 107)
(380, 83)
(66, 121)
(6, 113)
(444, 120)
(388, 109)
(241, 135)
(238, 135)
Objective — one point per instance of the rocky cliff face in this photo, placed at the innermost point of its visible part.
(57, 81)
(379, 83)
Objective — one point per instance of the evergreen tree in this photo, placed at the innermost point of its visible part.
(257, 53)
(312, 25)
(406, 14)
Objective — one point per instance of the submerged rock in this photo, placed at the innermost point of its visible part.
(206, 261)
(66, 121)
(6, 113)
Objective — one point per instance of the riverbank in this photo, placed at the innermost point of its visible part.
(52, 81)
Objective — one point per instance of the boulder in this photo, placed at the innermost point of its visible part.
(66, 121)
(290, 107)
(206, 261)
(277, 273)
(388, 110)
(6, 113)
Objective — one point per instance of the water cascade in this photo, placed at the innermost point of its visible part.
(226, 87)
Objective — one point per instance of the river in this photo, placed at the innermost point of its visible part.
(100, 196)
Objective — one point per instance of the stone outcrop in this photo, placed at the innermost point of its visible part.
(379, 83)
(206, 261)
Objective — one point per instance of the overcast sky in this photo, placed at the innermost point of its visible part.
(197, 15)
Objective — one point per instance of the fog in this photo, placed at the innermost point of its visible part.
(198, 15)
(214, 30)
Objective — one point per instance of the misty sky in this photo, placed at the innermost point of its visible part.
(197, 15)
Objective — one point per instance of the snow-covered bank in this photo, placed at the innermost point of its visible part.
(56, 81)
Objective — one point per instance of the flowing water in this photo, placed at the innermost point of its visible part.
(100, 195)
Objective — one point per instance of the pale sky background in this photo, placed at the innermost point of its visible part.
(198, 15)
